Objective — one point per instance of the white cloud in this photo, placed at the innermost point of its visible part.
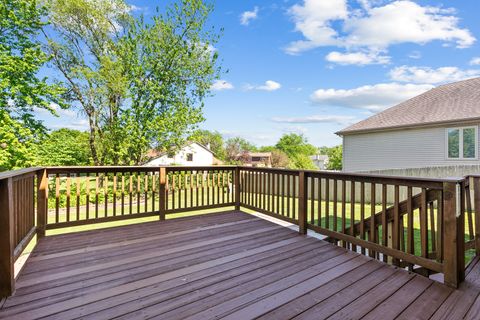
(339, 119)
(374, 27)
(475, 61)
(431, 75)
(248, 16)
(357, 58)
(269, 85)
(405, 21)
(313, 19)
(219, 85)
(370, 97)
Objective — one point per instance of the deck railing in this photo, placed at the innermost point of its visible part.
(413, 223)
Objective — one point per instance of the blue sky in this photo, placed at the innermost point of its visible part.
(316, 66)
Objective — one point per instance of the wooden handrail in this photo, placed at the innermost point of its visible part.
(309, 199)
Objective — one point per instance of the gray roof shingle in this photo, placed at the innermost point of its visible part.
(453, 102)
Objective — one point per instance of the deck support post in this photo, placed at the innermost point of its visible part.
(7, 274)
(454, 233)
(236, 187)
(476, 199)
(302, 202)
(42, 202)
(162, 205)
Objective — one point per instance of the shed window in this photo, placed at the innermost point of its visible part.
(462, 143)
(189, 156)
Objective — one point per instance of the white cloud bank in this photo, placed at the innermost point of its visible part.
(431, 75)
(219, 85)
(370, 97)
(357, 58)
(269, 85)
(339, 119)
(475, 61)
(248, 16)
(372, 29)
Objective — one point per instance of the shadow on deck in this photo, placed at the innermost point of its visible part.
(226, 265)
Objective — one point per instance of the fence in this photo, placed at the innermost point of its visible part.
(422, 224)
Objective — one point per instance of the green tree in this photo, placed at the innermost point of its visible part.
(64, 147)
(212, 138)
(279, 159)
(17, 144)
(141, 85)
(334, 158)
(295, 144)
(236, 149)
(21, 57)
(21, 89)
(298, 149)
(301, 161)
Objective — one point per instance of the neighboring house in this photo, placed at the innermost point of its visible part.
(258, 159)
(320, 161)
(433, 134)
(192, 154)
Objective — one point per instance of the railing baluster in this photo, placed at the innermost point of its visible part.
(372, 235)
(423, 224)
(87, 196)
(362, 214)
(114, 200)
(77, 212)
(396, 222)
(352, 213)
(57, 198)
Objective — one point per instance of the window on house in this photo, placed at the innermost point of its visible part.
(189, 156)
(462, 143)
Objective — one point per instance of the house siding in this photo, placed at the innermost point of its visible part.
(400, 149)
(201, 157)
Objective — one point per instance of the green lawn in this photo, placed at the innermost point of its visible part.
(142, 208)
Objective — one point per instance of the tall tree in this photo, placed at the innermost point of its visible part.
(334, 157)
(21, 89)
(141, 85)
(298, 149)
(17, 144)
(64, 147)
(236, 149)
(211, 138)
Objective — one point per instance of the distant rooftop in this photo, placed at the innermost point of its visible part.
(453, 102)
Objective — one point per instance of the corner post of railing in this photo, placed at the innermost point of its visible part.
(162, 192)
(302, 203)
(7, 246)
(476, 206)
(454, 233)
(237, 188)
(42, 202)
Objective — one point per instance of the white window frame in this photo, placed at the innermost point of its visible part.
(460, 141)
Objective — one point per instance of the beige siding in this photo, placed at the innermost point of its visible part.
(414, 148)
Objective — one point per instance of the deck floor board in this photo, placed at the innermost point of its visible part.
(229, 265)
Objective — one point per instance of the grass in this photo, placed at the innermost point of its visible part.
(186, 193)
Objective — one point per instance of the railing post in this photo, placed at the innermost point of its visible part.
(454, 233)
(302, 203)
(162, 193)
(237, 188)
(476, 206)
(42, 202)
(7, 246)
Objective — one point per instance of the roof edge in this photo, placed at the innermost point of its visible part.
(409, 126)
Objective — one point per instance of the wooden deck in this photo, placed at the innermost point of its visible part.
(226, 265)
